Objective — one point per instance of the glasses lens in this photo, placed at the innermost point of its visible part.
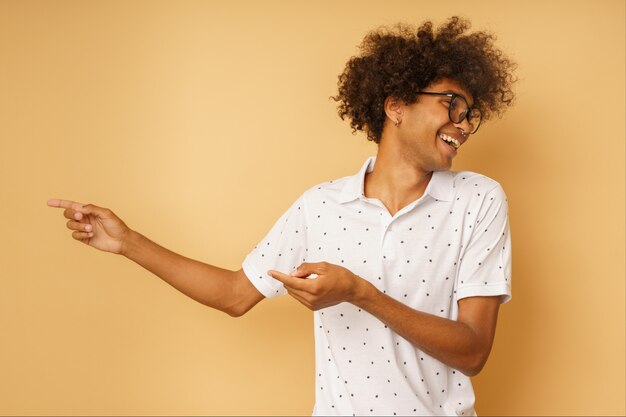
(474, 118)
(459, 110)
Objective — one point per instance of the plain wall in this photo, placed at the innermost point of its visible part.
(200, 122)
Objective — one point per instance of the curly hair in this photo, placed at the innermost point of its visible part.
(401, 61)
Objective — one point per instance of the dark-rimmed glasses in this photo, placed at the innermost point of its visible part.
(459, 110)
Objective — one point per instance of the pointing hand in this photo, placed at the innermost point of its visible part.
(95, 226)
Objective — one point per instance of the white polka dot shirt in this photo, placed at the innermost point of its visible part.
(451, 243)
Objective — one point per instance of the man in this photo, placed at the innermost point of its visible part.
(406, 263)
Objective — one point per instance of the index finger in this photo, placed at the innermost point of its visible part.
(290, 281)
(55, 202)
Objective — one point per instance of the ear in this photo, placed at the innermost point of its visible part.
(394, 109)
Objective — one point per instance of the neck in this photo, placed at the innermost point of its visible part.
(396, 181)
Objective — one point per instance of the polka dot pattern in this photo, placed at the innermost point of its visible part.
(426, 256)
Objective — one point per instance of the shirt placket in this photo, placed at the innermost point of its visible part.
(388, 240)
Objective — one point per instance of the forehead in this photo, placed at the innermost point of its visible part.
(447, 85)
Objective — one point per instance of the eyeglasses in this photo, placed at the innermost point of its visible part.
(459, 110)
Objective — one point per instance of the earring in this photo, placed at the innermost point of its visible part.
(397, 122)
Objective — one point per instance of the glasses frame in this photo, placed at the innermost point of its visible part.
(454, 96)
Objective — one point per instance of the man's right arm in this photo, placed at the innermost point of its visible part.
(222, 289)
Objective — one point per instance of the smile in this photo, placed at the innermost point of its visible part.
(450, 140)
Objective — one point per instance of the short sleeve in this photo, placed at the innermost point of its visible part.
(282, 249)
(485, 268)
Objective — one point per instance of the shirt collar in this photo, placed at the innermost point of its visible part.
(440, 186)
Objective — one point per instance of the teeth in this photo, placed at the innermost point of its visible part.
(455, 143)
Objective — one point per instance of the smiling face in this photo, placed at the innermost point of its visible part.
(426, 136)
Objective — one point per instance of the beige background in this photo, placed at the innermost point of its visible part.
(200, 122)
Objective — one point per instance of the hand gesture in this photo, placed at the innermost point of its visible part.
(94, 226)
(334, 284)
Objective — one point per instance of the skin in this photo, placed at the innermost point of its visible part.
(222, 289)
(407, 156)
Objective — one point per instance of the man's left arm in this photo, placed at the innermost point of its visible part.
(463, 344)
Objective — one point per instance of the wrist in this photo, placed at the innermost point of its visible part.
(130, 243)
(363, 291)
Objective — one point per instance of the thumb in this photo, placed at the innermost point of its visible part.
(101, 212)
(305, 269)
(300, 273)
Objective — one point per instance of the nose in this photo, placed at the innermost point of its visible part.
(464, 126)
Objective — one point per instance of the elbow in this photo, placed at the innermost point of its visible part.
(236, 311)
(471, 371)
(241, 306)
(243, 296)
(234, 314)
(474, 364)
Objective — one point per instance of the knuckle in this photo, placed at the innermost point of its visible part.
(315, 289)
